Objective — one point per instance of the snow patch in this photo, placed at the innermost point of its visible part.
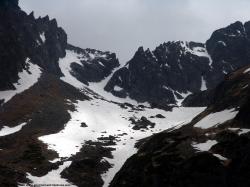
(223, 43)
(197, 51)
(240, 131)
(247, 70)
(216, 118)
(64, 64)
(53, 177)
(203, 84)
(27, 78)
(11, 130)
(42, 36)
(118, 88)
(204, 146)
(220, 157)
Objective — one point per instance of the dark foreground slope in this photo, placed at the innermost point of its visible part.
(194, 156)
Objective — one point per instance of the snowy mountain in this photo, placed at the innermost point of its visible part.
(175, 69)
(74, 116)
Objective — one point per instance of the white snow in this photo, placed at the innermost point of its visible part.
(244, 131)
(203, 84)
(198, 51)
(204, 146)
(101, 63)
(247, 70)
(53, 177)
(223, 43)
(27, 78)
(91, 55)
(216, 118)
(64, 64)
(178, 101)
(118, 88)
(11, 130)
(240, 131)
(224, 71)
(101, 115)
(42, 36)
(220, 157)
(244, 87)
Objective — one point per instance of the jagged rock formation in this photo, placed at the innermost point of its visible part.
(94, 65)
(175, 68)
(41, 41)
(22, 36)
(216, 155)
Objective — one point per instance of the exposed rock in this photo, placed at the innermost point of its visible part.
(163, 75)
(200, 99)
(96, 65)
(142, 123)
(88, 165)
(83, 124)
(23, 37)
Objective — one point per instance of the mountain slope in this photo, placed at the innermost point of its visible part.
(212, 150)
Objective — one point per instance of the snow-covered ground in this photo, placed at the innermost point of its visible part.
(103, 116)
(216, 118)
(27, 78)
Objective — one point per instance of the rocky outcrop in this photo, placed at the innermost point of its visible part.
(94, 65)
(174, 69)
(23, 37)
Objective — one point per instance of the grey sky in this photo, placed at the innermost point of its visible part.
(121, 26)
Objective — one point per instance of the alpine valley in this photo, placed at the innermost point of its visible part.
(177, 116)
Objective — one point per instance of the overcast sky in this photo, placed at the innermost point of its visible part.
(121, 26)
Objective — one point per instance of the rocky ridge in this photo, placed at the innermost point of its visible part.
(176, 69)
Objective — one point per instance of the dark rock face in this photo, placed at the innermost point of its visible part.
(9, 4)
(173, 68)
(10, 177)
(232, 92)
(22, 37)
(96, 65)
(200, 99)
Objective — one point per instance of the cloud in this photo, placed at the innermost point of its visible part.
(122, 26)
